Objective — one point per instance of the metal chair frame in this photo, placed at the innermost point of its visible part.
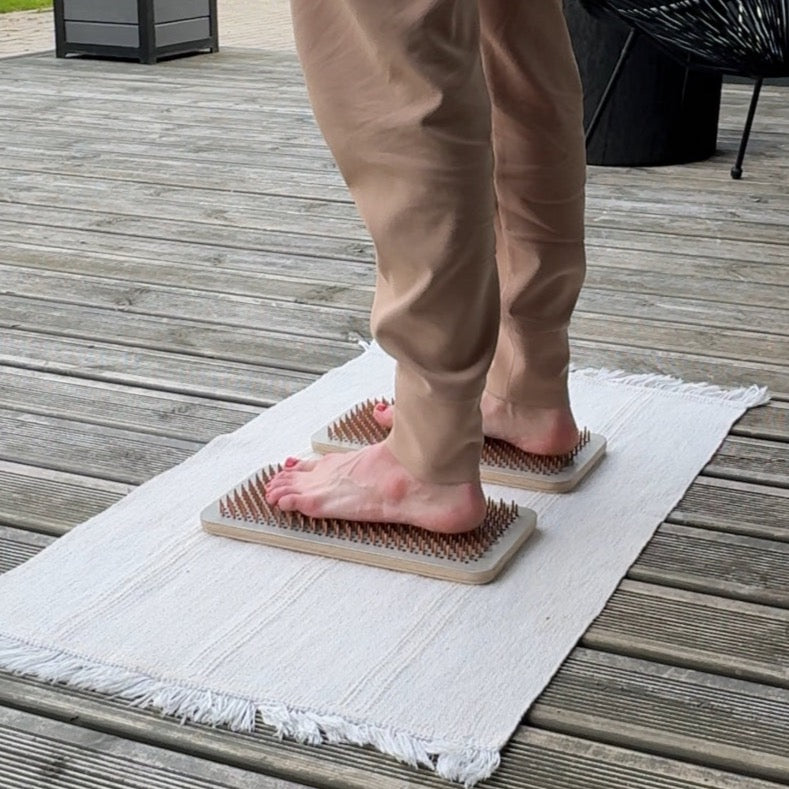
(768, 20)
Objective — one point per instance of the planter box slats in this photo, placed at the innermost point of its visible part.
(144, 30)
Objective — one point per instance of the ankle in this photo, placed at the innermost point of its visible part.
(539, 429)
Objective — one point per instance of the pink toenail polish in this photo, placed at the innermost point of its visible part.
(291, 462)
(380, 407)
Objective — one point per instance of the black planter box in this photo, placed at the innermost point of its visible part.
(143, 30)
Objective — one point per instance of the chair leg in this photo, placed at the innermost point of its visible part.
(612, 80)
(736, 171)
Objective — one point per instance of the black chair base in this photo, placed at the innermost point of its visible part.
(736, 170)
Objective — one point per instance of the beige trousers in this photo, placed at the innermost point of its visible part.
(457, 125)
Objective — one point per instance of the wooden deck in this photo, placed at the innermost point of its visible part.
(177, 251)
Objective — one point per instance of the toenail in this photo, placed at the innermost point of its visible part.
(380, 407)
(291, 462)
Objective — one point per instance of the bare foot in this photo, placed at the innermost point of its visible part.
(541, 431)
(371, 485)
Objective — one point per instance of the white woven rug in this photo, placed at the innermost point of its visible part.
(140, 603)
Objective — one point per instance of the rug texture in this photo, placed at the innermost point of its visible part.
(140, 603)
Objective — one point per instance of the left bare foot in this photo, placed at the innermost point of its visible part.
(371, 485)
(540, 431)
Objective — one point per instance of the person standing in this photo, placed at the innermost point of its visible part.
(458, 128)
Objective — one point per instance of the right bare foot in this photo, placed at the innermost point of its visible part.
(541, 431)
(371, 485)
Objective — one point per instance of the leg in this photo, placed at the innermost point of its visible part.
(399, 92)
(540, 169)
(736, 171)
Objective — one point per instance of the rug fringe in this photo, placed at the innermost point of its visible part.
(464, 764)
(742, 396)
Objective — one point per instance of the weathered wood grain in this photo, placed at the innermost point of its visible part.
(735, 507)
(739, 567)
(158, 290)
(133, 305)
(134, 408)
(19, 221)
(286, 286)
(283, 276)
(313, 281)
(17, 546)
(670, 711)
(129, 228)
(355, 268)
(172, 372)
(269, 172)
(109, 453)
(242, 210)
(655, 335)
(671, 275)
(261, 311)
(694, 630)
(533, 759)
(548, 760)
(686, 366)
(769, 421)
(643, 237)
(276, 144)
(333, 307)
(38, 752)
(188, 336)
(51, 502)
(751, 460)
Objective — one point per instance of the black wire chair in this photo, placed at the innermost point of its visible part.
(746, 38)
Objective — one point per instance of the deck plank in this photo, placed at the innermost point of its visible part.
(110, 453)
(17, 546)
(52, 502)
(739, 567)
(751, 460)
(173, 334)
(240, 382)
(570, 761)
(735, 507)
(685, 365)
(286, 302)
(347, 282)
(675, 212)
(144, 410)
(37, 752)
(770, 421)
(159, 290)
(674, 712)
(297, 316)
(695, 630)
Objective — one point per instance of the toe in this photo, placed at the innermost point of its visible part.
(298, 464)
(276, 495)
(284, 479)
(383, 414)
(298, 502)
(306, 464)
